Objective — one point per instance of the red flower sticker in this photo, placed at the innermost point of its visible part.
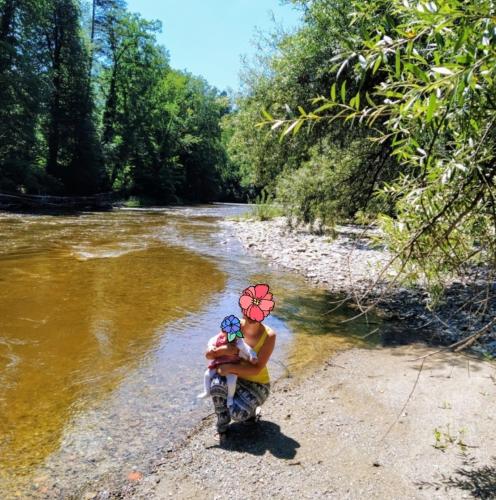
(256, 302)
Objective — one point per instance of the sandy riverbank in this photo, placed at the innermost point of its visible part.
(324, 436)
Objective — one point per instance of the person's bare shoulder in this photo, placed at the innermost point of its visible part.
(270, 331)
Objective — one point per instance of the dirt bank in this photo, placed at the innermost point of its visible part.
(325, 436)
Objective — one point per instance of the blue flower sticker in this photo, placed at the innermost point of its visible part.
(231, 326)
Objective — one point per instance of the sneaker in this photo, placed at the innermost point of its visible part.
(256, 418)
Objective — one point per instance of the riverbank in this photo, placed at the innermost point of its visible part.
(351, 264)
(379, 423)
(344, 432)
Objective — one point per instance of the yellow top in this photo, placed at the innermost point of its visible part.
(263, 376)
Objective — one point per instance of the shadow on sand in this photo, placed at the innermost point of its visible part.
(259, 438)
(478, 481)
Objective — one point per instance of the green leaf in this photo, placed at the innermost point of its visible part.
(333, 91)
(376, 64)
(267, 115)
(357, 101)
(343, 92)
(324, 107)
(432, 107)
(298, 126)
(369, 99)
(461, 39)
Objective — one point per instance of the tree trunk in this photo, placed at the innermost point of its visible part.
(92, 47)
(6, 21)
(54, 131)
(110, 108)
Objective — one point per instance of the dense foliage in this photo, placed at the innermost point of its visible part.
(435, 108)
(89, 103)
(381, 109)
(328, 171)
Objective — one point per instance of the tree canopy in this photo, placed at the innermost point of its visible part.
(89, 103)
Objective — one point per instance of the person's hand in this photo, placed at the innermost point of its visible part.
(223, 350)
(231, 349)
(224, 369)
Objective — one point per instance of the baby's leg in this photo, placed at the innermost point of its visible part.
(246, 352)
(231, 388)
(207, 379)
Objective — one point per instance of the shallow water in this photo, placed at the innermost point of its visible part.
(103, 322)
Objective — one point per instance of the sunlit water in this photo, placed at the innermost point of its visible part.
(103, 321)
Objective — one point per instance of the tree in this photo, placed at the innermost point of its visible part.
(73, 155)
(436, 107)
(297, 67)
(89, 103)
(21, 88)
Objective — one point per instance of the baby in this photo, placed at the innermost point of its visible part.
(230, 332)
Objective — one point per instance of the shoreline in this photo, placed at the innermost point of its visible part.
(385, 422)
(350, 264)
(347, 264)
(327, 436)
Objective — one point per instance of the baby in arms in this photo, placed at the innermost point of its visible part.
(230, 332)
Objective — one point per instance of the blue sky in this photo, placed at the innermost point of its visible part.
(208, 37)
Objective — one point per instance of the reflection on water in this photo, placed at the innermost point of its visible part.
(317, 332)
(103, 321)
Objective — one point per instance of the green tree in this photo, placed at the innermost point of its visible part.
(88, 102)
(297, 67)
(21, 92)
(436, 107)
(73, 151)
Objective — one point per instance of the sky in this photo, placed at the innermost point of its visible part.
(208, 37)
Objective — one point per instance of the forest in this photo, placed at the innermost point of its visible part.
(89, 104)
(381, 112)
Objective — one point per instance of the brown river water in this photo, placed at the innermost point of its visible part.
(103, 321)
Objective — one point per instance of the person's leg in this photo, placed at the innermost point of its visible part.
(249, 396)
(231, 388)
(218, 391)
(209, 373)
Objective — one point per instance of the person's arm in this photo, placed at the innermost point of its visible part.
(245, 369)
(217, 352)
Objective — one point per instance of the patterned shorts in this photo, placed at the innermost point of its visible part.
(248, 396)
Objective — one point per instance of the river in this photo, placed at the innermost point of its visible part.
(104, 318)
